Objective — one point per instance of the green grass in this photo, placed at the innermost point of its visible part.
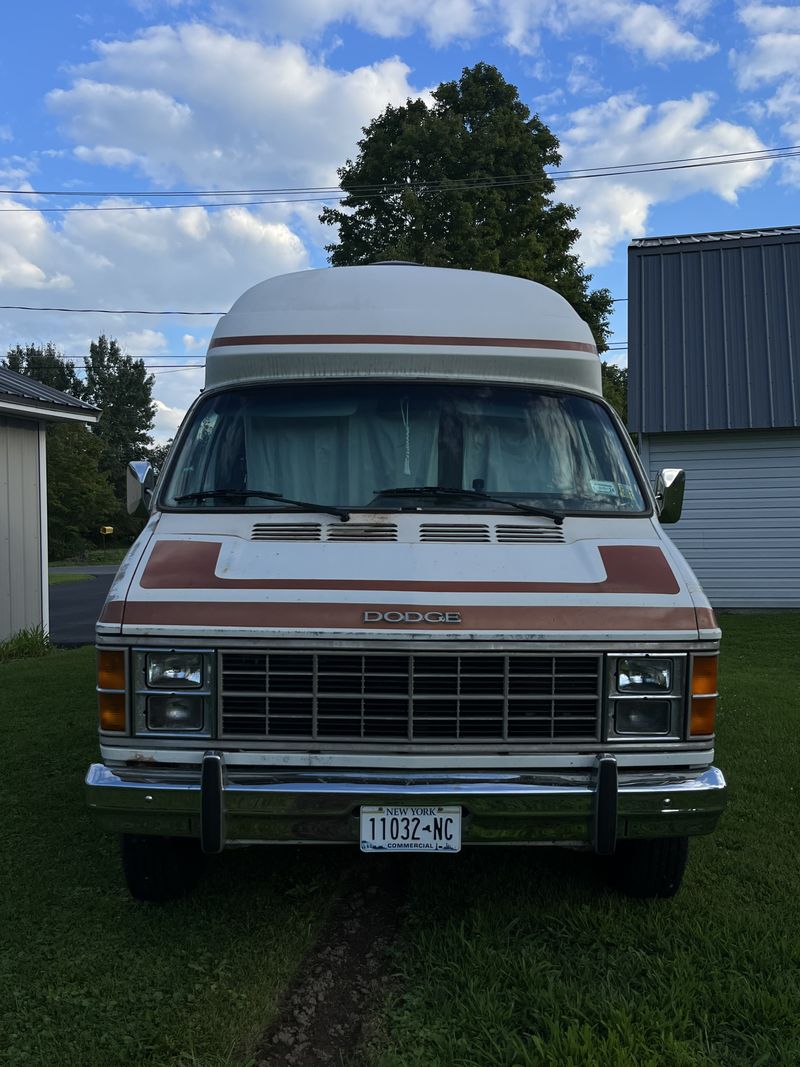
(88, 977)
(31, 643)
(519, 958)
(104, 556)
(67, 579)
(525, 959)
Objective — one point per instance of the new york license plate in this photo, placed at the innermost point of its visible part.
(410, 829)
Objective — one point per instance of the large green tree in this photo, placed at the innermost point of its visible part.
(123, 390)
(79, 494)
(464, 183)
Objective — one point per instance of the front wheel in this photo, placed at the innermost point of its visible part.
(158, 869)
(650, 869)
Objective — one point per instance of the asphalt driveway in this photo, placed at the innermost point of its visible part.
(74, 606)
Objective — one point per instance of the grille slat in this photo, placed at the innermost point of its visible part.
(432, 697)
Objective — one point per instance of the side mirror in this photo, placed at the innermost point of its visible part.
(670, 486)
(139, 484)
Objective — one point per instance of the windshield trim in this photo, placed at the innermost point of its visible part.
(620, 430)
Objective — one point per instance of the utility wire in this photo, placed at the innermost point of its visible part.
(440, 187)
(110, 311)
(751, 155)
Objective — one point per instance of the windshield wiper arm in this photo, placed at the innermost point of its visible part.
(445, 490)
(215, 494)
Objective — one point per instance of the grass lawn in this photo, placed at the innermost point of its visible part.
(104, 556)
(507, 957)
(88, 978)
(525, 959)
(65, 579)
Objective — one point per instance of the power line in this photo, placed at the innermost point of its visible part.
(102, 311)
(750, 155)
(443, 186)
(110, 311)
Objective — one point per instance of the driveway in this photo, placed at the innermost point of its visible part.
(74, 606)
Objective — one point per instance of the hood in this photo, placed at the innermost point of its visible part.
(442, 576)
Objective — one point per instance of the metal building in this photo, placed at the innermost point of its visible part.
(26, 406)
(714, 387)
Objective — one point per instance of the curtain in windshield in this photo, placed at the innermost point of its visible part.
(340, 443)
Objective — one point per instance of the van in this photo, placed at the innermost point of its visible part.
(404, 585)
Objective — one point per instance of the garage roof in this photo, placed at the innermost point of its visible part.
(24, 397)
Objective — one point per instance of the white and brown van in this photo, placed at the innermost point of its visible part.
(404, 585)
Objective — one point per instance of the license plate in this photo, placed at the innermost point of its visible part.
(410, 829)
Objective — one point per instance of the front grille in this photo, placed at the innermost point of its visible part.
(397, 696)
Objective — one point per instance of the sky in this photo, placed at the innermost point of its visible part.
(149, 97)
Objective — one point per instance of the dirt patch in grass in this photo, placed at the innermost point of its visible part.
(329, 1011)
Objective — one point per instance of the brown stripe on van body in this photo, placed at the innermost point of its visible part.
(706, 619)
(637, 569)
(112, 611)
(400, 339)
(247, 614)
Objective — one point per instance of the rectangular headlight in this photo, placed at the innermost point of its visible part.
(175, 712)
(642, 716)
(174, 670)
(644, 675)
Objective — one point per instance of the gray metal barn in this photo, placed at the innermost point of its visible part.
(26, 406)
(714, 387)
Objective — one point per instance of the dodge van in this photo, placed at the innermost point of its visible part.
(404, 585)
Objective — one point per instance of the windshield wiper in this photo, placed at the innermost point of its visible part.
(444, 490)
(216, 494)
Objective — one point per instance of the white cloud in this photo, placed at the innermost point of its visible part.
(169, 416)
(5, 133)
(192, 343)
(132, 260)
(622, 130)
(142, 342)
(644, 28)
(773, 59)
(582, 79)
(197, 104)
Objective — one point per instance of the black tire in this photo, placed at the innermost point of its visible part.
(650, 869)
(160, 868)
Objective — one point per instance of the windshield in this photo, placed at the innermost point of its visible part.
(342, 444)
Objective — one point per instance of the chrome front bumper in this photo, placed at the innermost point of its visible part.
(225, 806)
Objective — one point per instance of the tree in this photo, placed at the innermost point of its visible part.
(123, 390)
(156, 455)
(434, 185)
(47, 365)
(615, 388)
(79, 494)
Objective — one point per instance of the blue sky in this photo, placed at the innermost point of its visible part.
(153, 96)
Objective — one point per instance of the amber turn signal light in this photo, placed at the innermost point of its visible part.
(111, 675)
(704, 695)
(110, 669)
(112, 711)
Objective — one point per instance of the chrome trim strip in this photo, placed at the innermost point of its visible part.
(445, 761)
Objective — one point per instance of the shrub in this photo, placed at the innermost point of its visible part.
(29, 643)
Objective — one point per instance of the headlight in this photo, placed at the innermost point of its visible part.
(642, 717)
(646, 696)
(174, 670)
(175, 713)
(644, 675)
(174, 691)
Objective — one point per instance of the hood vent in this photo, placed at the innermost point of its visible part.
(286, 531)
(429, 533)
(529, 535)
(367, 531)
(451, 533)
